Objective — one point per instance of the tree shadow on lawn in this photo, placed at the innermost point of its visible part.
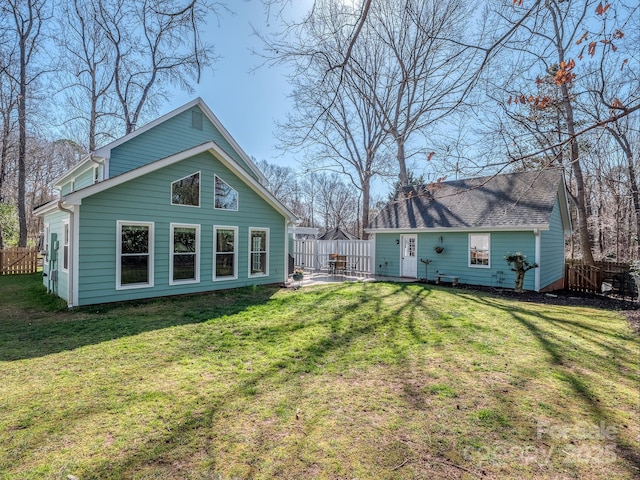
(37, 333)
(313, 359)
(558, 345)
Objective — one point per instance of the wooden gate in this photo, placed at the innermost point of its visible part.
(583, 278)
(18, 260)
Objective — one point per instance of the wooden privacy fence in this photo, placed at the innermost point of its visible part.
(589, 278)
(315, 254)
(18, 260)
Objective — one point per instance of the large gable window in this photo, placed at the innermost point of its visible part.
(135, 255)
(258, 253)
(225, 247)
(185, 253)
(479, 250)
(226, 198)
(186, 191)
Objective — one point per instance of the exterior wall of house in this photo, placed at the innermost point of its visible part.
(454, 260)
(174, 135)
(83, 178)
(552, 250)
(147, 199)
(54, 260)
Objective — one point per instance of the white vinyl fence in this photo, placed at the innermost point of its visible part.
(315, 254)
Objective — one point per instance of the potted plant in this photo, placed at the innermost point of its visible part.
(439, 248)
(298, 274)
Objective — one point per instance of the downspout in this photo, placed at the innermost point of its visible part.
(98, 162)
(71, 249)
(536, 235)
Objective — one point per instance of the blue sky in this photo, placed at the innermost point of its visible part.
(245, 99)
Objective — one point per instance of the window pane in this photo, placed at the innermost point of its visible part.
(224, 265)
(184, 239)
(258, 263)
(134, 269)
(184, 267)
(135, 239)
(479, 245)
(186, 191)
(225, 240)
(258, 242)
(226, 197)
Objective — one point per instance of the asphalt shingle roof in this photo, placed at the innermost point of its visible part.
(508, 200)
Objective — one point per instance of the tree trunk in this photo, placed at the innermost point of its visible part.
(402, 163)
(22, 145)
(366, 194)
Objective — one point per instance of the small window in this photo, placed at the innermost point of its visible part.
(258, 252)
(186, 191)
(196, 119)
(185, 253)
(225, 248)
(479, 250)
(65, 245)
(135, 255)
(226, 198)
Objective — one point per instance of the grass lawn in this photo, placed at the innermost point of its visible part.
(362, 380)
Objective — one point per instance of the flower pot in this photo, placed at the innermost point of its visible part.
(438, 249)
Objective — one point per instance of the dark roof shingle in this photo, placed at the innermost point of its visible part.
(508, 200)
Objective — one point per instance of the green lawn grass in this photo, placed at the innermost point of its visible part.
(361, 380)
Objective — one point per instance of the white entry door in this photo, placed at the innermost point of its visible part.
(409, 258)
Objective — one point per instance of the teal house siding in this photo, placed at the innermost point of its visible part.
(150, 196)
(524, 212)
(387, 255)
(135, 186)
(552, 250)
(454, 260)
(174, 135)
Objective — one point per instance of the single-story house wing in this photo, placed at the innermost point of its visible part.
(462, 230)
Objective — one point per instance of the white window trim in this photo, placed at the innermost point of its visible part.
(96, 175)
(250, 259)
(172, 253)
(199, 173)
(469, 250)
(120, 224)
(215, 252)
(214, 196)
(66, 241)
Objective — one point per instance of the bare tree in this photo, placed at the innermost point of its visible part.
(87, 74)
(153, 43)
(22, 27)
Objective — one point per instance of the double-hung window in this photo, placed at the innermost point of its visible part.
(185, 254)
(225, 264)
(479, 250)
(258, 252)
(134, 267)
